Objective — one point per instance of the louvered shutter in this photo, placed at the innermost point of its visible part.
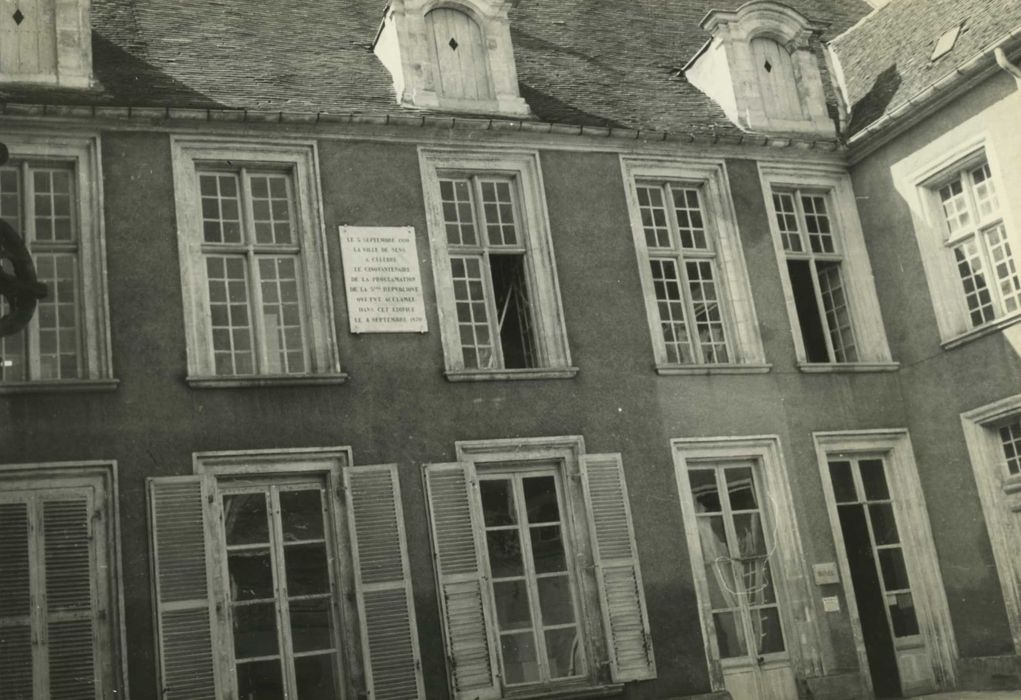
(183, 613)
(470, 659)
(386, 608)
(625, 620)
(70, 614)
(15, 601)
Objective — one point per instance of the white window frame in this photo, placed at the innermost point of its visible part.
(99, 474)
(796, 595)
(741, 325)
(82, 151)
(949, 304)
(856, 270)
(999, 492)
(301, 159)
(930, 599)
(550, 336)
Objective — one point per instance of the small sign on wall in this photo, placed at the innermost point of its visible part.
(825, 573)
(831, 603)
(382, 279)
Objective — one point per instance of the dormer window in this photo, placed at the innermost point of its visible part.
(45, 41)
(454, 57)
(762, 68)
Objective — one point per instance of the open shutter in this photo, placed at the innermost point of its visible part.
(183, 611)
(470, 659)
(386, 607)
(625, 620)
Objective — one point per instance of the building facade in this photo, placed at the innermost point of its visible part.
(492, 350)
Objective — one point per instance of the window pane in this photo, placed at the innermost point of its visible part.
(985, 193)
(838, 315)
(902, 615)
(513, 610)
(751, 540)
(564, 652)
(741, 488)
(301, 514)
(498, 206)
(1004, 268)
(244, 518)
(555, 600)
(456, 199)
(271, 208)
(504, 553)
(311, 624)
(706, 305)
(955, 206)
(767, 630)
(57, 316)
(971, 270)
(653, 213)
(884, 526)
(260, 680)
(817, 221)
(281, 314)
(472, 313)
(541, 499)
(10, 197)
(666, 285)
(690, 224)
(729, 635)
(314, 675)
(787, 222)
(757, 580)
(230, 322)
(497, 502)
(704, 490)
(519, 658)
(1010, 438)
(718, 564)
(873, 478)
(513, 310)
(255, 630)
(895, 573)
(221, 207)
(548, 549)
(843, 482)
(307, 569)
(251, 574)
(53, 204)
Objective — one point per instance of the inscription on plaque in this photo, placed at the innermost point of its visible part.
(382, 279)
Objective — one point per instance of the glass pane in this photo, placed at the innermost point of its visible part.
(766, 626)
(307, 569)
(497, 502)
(729, 635)
(884, 527)
(251, 574)
(843, 482)
(555, 600)
(541, 499)
(315, 677)
(895, 573)
(741, 487)
(902, 614)
(719, 570)
(260, 680)
(519, 659)
(874, 480)
(311, 624)
(244, 518)
(704, 490)
(751, 540)
(548, 549)
(757, 580)
(563, 649)
(255, 630)
(504, 553)
(512, 606)
(301, 514)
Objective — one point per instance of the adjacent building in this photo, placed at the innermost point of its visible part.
(493, 349)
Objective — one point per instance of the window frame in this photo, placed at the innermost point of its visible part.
(300, 159)
(81, 150)
(102, 475)
(856, 269)
(550, 335)
(934, 239)
(734, 292)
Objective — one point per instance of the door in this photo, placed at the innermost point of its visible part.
(899, 661)
(738, 596)
(55, 610)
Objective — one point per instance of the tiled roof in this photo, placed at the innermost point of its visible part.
(886, 57)
(584, 62)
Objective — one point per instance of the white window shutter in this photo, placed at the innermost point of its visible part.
(177, 512)
(470, 659)
(386, 603)
(625, 620)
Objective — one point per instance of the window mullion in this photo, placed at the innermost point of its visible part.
(254, 280)
(531, 582)
(34, 368)
(282, 608)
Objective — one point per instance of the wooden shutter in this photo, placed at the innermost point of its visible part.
(386, 608)
(470, 658)
(183, 612)
(460, 49)
(625, 620)
(15, 600)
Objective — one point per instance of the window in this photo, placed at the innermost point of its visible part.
(519, 578)
(976, 238)
(46, 41)
(778, 85)
(49, 194)
(1010, 439)
(315, 585)
(493, 264)
(253, 265)
(461, 57)
(698, 300)
(59, 614)
(831, 297)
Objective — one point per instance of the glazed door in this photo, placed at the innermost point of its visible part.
(738, 596)
(899, 661)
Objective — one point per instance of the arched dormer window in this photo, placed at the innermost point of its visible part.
(462, 67)
(46, 41)
(761, 66)
(778, 83)
(451, 57)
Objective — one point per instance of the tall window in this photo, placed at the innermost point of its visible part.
(682, 260)
(815, 264)
(975, 236)
(496, 283)
(253, 268)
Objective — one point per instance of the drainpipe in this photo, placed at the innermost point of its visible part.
(1003, 62)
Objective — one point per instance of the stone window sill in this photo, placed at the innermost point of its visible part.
(981, 331)
(847, 367)
(266, 380)
(58, 386)
(668, 370)
(497, 375)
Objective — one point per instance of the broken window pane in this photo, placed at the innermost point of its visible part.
(809, 318)
(513, 310)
